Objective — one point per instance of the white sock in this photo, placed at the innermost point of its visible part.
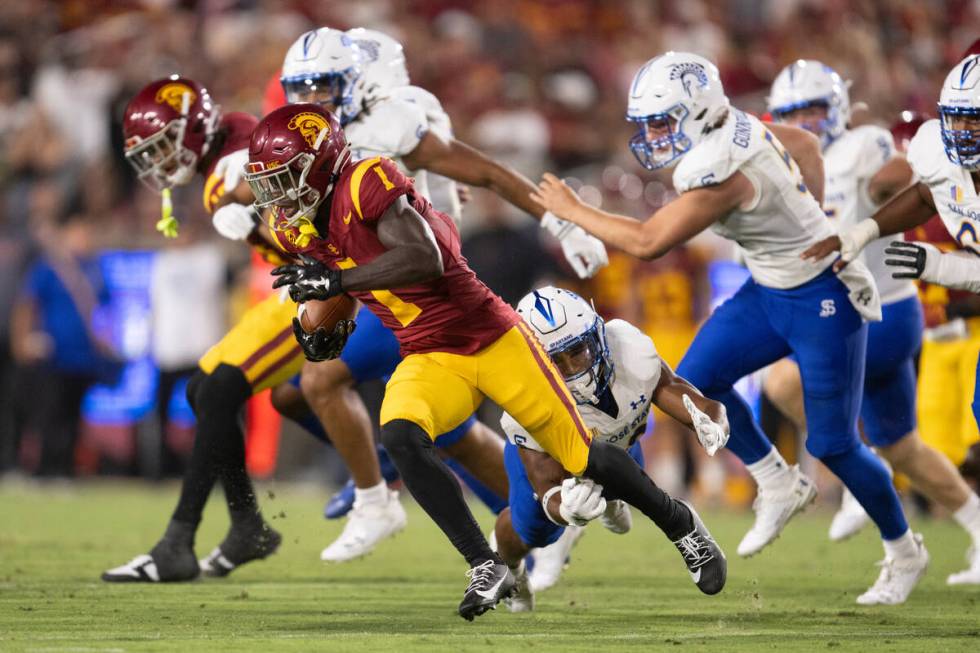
(968, 516)
(901, 547)
(372, 495)
(770, 472)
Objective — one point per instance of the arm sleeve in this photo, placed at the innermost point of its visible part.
(958, 270)
(375, 184)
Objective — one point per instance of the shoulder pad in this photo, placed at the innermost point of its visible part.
(926, 153)
(720, 154)
(392, 128)
(438, 118)
(633, 350)
(374, 185)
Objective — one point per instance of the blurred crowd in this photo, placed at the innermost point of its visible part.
(540, 84)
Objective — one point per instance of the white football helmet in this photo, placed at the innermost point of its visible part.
(676, 99)
(325, 62)
(383, 63)
(959, 113)
(807, 83)
(574, 336)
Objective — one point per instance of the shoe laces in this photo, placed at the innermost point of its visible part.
(695, 550)
(480, 576)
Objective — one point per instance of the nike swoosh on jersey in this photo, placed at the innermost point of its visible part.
(347, 218)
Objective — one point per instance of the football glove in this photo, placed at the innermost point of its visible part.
(585, 253)
(235, 221)
(910, 260)
(711, 435)
(309, 280)
(581, 501)
(322, 345)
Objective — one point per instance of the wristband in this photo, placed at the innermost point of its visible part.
(544, 504)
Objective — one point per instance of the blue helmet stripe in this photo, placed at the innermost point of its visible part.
(543, 305)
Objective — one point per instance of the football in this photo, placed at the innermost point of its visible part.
(326, 313)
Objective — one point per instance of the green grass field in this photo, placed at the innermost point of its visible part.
(621, 592)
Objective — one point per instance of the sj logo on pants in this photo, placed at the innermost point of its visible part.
(827, 308)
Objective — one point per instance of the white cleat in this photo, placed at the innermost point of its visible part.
(849, 518)
(774, 509)
(550, 561)
(367, 525)
(898, 578)
(617, 517)
(521, 598)
(970, 576)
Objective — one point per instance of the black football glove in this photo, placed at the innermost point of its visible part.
(321, 345)
(910, 259)
(309, 280)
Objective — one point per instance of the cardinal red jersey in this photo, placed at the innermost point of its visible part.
(455, 313)
(935, 298)
(234, 131)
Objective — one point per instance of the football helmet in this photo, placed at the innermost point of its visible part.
(296, 155)
(167, 128)
(959, 113)
(574, 336)
(325, 66)
(382, 61)
(807, 83)
(675, 98)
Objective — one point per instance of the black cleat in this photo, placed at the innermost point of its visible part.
(705, 560)
(490, 582)
(241, 545)
(167, 562)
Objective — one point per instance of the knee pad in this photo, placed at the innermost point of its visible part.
(400, 437)
(224, 390)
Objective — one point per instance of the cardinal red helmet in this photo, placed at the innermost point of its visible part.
(168, 126)
(296, 155)
(905, 127)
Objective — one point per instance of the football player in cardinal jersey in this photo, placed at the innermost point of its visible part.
(363, 229)
(615, 375)
(736, 176)
(174, 132)
(361, 76)
(945, 156)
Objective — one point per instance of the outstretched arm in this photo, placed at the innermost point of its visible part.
(706, 417)
(906, 210)
(456, 160)
(673, 224)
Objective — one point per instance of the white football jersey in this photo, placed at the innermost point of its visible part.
(782, 220)
(637, 373)
(442, 190)
(391, 128)
(850, 162)
(952, 187)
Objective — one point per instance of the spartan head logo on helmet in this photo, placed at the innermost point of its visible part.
(689, 73)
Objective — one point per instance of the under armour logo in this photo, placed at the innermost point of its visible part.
(827, 308)
(864, 297)
(639, 402)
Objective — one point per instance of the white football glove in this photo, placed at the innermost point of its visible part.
(581, 501)
(234, 221)
(855, 239)
(586, 253)
(710, 434)
(231, 167)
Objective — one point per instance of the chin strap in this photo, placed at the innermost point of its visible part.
(167, 224)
